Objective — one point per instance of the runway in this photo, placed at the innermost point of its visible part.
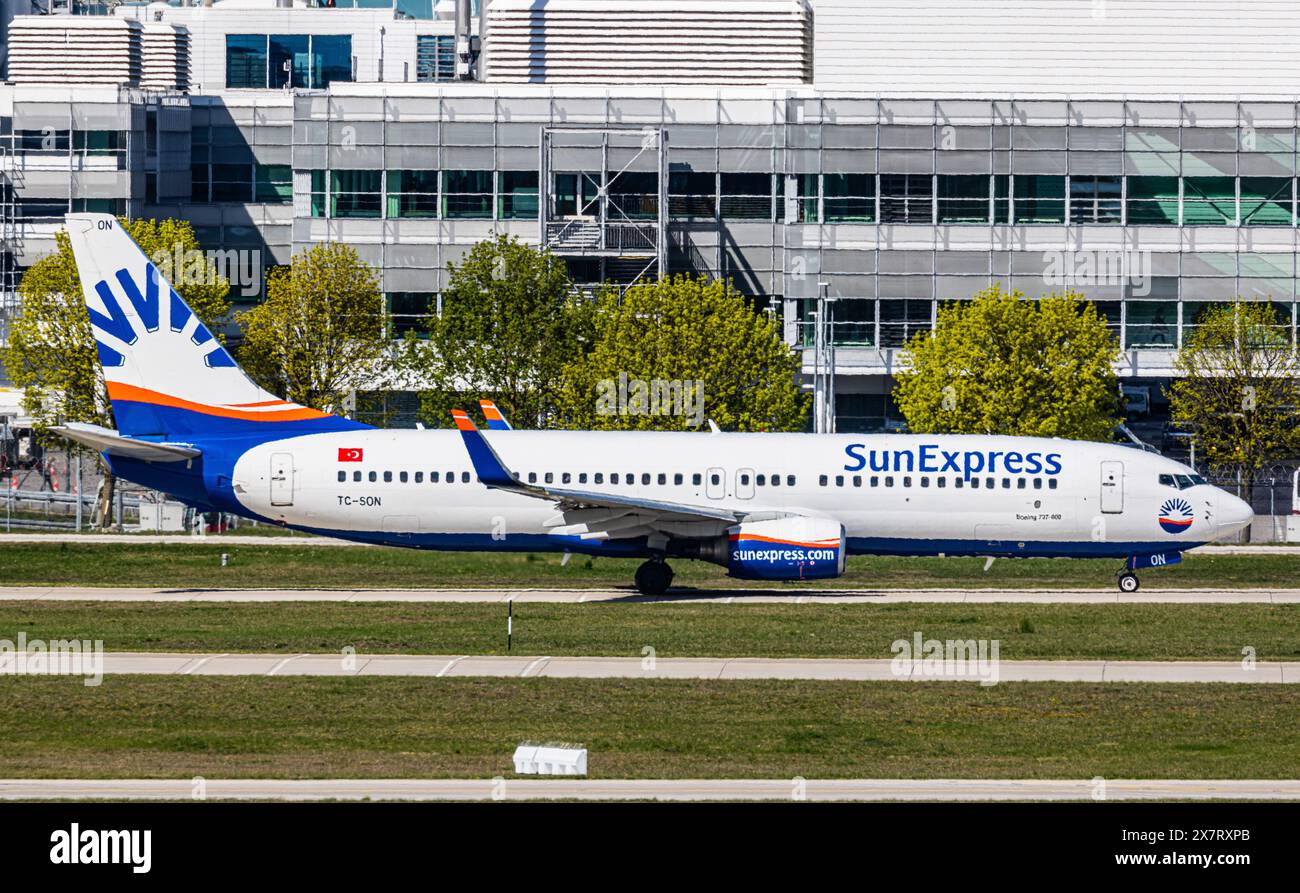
(985, 672)
(785, 595)
(777, 789)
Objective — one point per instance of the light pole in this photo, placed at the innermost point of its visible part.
(824, 362)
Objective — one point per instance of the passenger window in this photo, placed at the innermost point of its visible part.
(1020, 483)
(990, 483)
(677, 479)
(975, 483)
(776, 480)
(464, 477)
(715, 479)
(433, 477)
(373, 477)
(582, 477)
(645, 478)
(907, 480)
(402, 476)
(600, 477)
(663, 479)
(1006, 483)
(761, 480)
(549, 477)
(1051, 484)
(744, 480)
(356, 476)
(564, 478)
(959, 482)
(925, 482)
(419, 477)
(343, 476)
(532, 477)
(941, 483)
(789, 480)
(695, 479)
(1038, 483)
(857, 480)
(875, 480)
(822, 480)
(889, 480)
(839, 480)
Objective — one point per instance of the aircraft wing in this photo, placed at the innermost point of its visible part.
(106, 440)
(589, 513)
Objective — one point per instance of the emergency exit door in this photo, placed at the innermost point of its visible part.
(1112, 487)
(281, 479)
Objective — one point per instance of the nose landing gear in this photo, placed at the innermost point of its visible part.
(653, 577)
(1128, 581)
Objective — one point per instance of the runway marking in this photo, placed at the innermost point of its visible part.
(275, 669)
(189, 670)
(704, 789)
(451, 663)
(537, 663)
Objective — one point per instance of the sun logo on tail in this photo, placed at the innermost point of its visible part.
(1176, 515)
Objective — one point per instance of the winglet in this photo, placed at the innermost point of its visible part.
(496, 421)
(487, 465)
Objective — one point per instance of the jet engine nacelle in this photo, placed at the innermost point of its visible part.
(786, 549)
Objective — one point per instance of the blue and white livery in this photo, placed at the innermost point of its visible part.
(765, 506)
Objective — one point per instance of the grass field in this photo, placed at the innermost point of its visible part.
(300, 727)
(186, 564)
(1026, 632)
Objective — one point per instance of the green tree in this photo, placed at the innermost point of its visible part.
(1238, 389)
(511, 318)
(999, 364)
(51, 350)
(667, 354)
(321, 333)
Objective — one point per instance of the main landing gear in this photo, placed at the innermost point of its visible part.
(1128, 581)
(654, 577)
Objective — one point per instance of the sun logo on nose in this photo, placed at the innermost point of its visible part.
(1176, 515)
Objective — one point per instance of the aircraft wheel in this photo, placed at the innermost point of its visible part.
(653, 578)
(1128, 582)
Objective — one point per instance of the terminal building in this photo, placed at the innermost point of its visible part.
(881, 157)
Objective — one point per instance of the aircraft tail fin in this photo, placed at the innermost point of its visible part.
(167, 376)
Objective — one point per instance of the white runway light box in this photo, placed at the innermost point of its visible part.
(543, 759)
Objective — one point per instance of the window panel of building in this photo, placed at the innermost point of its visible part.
(1096, 199)
(289, 56)
(633, 195)
(577, 195)
(355, 193)
(900, 320)
(692, 194)
(331, 59)
(1152, 200)
(409, 310)
(906, 198)
(246, 61)
(806, 198)
(319, 193)
(1209, 201)
(854, 322)
(1151, 324)
(963, 198)
(518, 197)
(467, 194)
(199, 182)
(413, 193)
(849, 198)
(274, 184)
(746, 196)
(1039, 199)
(1266, 201)
(232, 182)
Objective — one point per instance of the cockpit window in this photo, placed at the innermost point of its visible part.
(1167, 480)
(1184, 481)
(1181, 481)
(1197, 480)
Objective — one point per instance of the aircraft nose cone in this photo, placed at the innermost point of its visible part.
(1232, 514)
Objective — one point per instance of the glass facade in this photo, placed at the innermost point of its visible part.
(277, 61)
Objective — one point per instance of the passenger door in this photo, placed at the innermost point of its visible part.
(715, 483)
(1112, 487)
(281, 479)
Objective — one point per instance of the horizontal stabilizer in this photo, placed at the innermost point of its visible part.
(106, 440)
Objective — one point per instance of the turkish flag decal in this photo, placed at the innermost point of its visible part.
(349, 455)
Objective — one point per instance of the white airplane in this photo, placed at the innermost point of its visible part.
(765, 506)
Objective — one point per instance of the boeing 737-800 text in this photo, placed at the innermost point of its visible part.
(765, 506)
